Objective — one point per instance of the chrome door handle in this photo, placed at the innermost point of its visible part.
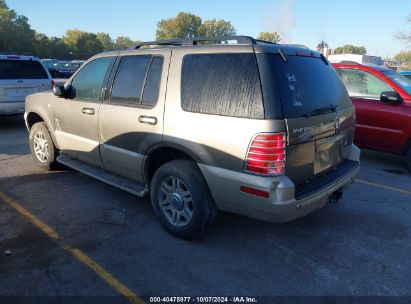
(151, 120)
(88, 111)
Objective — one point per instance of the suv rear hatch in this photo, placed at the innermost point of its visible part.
(317, 110)
(19, 78)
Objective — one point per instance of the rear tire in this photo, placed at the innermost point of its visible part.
(42, 148)
(181, 199)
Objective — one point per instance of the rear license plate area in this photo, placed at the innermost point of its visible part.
(328, 153)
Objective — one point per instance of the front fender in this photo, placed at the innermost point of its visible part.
(39, 104)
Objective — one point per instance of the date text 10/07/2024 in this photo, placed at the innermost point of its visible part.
(203, 300)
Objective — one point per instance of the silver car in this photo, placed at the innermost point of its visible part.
(20, 76)
(201, 125)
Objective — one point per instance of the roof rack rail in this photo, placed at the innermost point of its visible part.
(195, 41)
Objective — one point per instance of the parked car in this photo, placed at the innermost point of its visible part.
(253, 128)
(78, 62)
(406, 74)
(382, 99)
(19, 77)
(65, 69)
(51, 64)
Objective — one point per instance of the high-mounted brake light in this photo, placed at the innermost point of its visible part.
(266, 154)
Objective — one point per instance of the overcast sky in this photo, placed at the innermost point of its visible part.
(369, 23)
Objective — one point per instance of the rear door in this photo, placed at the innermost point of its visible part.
(131, 117)
(379, 124)
(318, 112)
(19, 78)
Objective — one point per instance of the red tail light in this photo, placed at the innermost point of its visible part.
(266, 154)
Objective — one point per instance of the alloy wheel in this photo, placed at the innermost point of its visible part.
(41, 147)
(175, 201)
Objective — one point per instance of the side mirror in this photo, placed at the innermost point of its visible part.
(391, 97)
(59, 90)
(62, 91)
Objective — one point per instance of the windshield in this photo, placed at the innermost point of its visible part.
(399, 80)
(308, 86)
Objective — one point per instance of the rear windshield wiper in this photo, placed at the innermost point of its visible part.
(283, 55)
(323, 110)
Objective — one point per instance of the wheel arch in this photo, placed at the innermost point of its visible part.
(33, 118)
(164, 153)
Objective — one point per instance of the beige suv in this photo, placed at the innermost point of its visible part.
(255, 128)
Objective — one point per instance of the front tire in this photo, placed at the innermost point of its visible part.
(42, 148)
(181, 199)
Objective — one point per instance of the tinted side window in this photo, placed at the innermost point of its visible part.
(88, 82)
(22, 69)
(153, 80)
(222, 84)
(363, 84)
(129, 80)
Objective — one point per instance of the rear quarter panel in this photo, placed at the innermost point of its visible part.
(212, 140)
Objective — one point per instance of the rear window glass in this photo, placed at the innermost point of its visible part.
(22, 69)
(222, 84)
(137, 80)
(129, 81)
(307, 84)
(152, 85)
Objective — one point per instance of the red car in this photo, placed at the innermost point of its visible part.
(382, 99)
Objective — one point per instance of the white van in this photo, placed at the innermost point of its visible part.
(20, 76)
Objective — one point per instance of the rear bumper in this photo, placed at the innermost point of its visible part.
(11, 107)
(285, 202)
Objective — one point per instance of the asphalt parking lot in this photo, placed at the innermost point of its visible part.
(65, 234)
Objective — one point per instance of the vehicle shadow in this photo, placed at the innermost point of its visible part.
(11, 122)
(391, 163)
(323, 246)
(13, 137)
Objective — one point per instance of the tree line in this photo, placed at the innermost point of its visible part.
(17, 36)
(346, 49)
(405, 56)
